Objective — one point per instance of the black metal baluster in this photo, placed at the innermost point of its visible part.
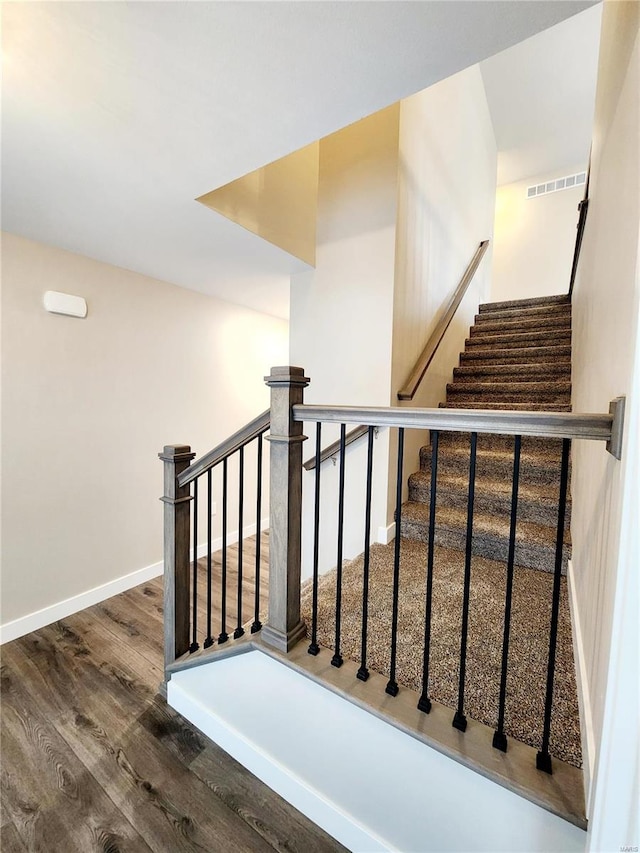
(209, 639)
(459, 719)
(194, 625)
(314, 648)
(543, 758)
(392, 685)
(257, 624)
(499, 737)
(424, 703)
(336, 660)
(363, 672)
(223, 606)
(240, 630)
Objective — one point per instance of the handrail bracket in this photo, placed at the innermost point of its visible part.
(614, 445)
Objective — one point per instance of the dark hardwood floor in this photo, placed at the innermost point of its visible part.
(94, 760)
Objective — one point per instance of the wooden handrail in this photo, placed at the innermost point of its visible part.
(243, 436)
(408, 390)
(599, 427)
(332, 449)
(583, 209)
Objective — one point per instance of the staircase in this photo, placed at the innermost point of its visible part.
(518, 357)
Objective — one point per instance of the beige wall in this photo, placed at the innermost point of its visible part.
(88, 404)
(446, 199)
(405, 197)
(534, 238)
(605, 498)
(341, 314)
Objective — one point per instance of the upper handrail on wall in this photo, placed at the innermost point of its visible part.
(583, 208)
(408, 390)
(332, 449)
(418, 372)
(243, 436)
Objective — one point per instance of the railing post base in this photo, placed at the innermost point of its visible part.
(424, 704)
(459, 722)
(281, 641)
(176, 499)
(543, 762)
(500, 741)
(284, 626)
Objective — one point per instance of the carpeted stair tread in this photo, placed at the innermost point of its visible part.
(537, 502)
(521, 355)
(455, 518)
(537, 390)
(536, 301)
(538, 466)
(495, 441)
(535, 543)
(514, 339)
(510, 407)
(482, 326)
(508, 397)
(552, 310)
(529, 371)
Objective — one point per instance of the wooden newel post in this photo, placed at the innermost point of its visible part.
(176, 499)
(284, 627)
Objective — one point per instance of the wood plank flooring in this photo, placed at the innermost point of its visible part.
(94, 760)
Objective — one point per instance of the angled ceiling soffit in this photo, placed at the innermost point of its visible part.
(278, 202)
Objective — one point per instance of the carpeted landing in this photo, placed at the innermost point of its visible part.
(528, 651)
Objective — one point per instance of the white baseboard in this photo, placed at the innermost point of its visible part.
(62, 609)
(582, 684)
(386, 534)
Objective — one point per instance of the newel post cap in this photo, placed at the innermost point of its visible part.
(287, 375)
(176, 453)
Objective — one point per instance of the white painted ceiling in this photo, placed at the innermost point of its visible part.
(541, 95)
(116, 116)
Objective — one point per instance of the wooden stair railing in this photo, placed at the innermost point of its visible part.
(181, 535)
(284, 629)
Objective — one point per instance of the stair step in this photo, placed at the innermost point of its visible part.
(508, 398)
(517, 372)
(536, 502)
(493, 441)
(517, 355)
(554, 310)
(491, 342)
(511, 390)
(517, 324)
(537, 301)
(506, 407)
(535, 543)
(540, 467)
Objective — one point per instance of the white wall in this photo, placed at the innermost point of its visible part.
(605, 500)
(534, 238)
(446, 199)
(88, 404)
(405, 198)
(340, 314)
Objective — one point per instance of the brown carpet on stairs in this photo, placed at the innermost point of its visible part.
(528, 648)
(518, 357)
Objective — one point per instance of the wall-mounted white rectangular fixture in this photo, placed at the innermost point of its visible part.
(64, 303)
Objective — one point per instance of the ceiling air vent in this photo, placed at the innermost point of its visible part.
(559, 184)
